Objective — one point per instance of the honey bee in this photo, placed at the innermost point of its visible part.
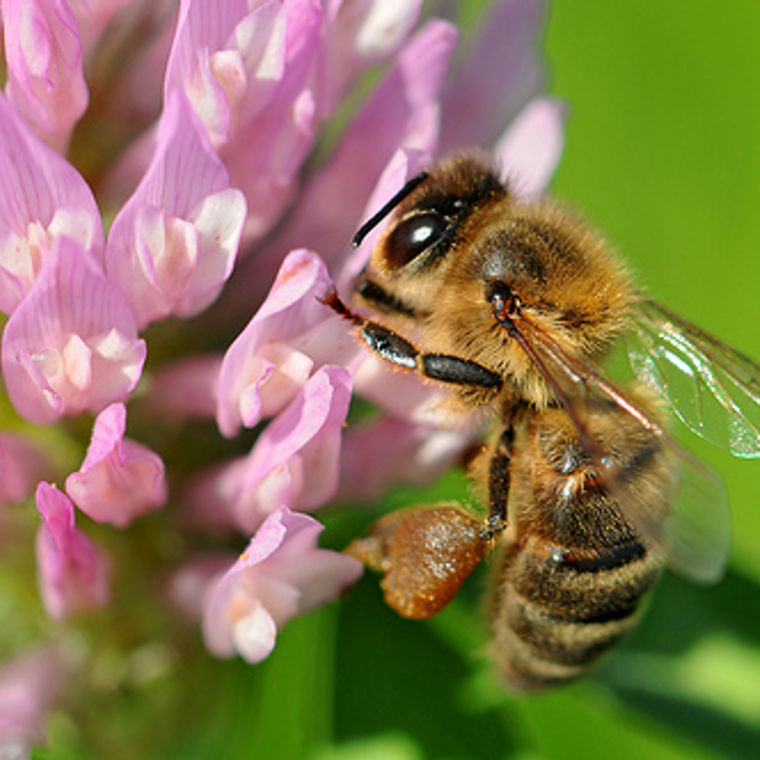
(513, 304)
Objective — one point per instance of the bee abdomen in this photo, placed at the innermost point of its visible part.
(554, 615)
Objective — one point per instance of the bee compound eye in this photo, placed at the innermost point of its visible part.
(412, 236)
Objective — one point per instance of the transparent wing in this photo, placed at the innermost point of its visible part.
(681, 505)
(712, 388)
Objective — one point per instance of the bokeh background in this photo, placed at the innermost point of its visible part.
(663, 153)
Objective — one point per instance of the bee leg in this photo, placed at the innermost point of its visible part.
(498, 483)
(393, 348)
(425, 554)
(381, 299)
(447, 369)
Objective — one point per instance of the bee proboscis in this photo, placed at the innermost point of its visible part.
(513, 304)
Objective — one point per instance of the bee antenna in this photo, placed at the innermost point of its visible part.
(378, 217)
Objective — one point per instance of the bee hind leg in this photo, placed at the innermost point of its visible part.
(425, 554)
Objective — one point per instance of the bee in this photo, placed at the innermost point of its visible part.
(586, 496)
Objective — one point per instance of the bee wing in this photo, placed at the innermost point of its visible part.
(694, 536)
(712, 388)
(692, 533)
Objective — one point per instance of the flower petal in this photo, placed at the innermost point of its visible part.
(296, 459)
(120, 479)
(401, 114)
(71, 573)
(271, 143)
(218, 220)
(261, 371)
(361, 34)
(72, 344)
(247, 74)
(173, 245)
(42, 197)
(227, 61)
(504, 59)
(529, 150)
(282, 573)
(316, 573)
(254, 633)
(44, 58)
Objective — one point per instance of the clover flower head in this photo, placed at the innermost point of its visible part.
(176, 367)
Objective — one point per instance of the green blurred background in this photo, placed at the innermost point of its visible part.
(663, 153)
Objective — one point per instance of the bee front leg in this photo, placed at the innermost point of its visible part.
(395, 349)
(425, 553)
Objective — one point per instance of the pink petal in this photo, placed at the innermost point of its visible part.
(269, 148)
(72, 344)
(218, 220)
(71, 573)
(42, 197)
(361, 34)
(401, 114)
(296, 459)
(247, 75)
(502, 71)
(283, 372)
(227, 61)
(200, 27)
(282, 573)
(21, 467)
(44, 58)
(29, 684)
(120, 479)
(378, 26)
(529, 150)
(275, 487)
(262, 371)
(403, 109)
(173, 245)
(316, 573)
(254, 633)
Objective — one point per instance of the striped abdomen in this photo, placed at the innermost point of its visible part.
(571, 569)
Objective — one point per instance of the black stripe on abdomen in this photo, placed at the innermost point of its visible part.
(552, 620)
